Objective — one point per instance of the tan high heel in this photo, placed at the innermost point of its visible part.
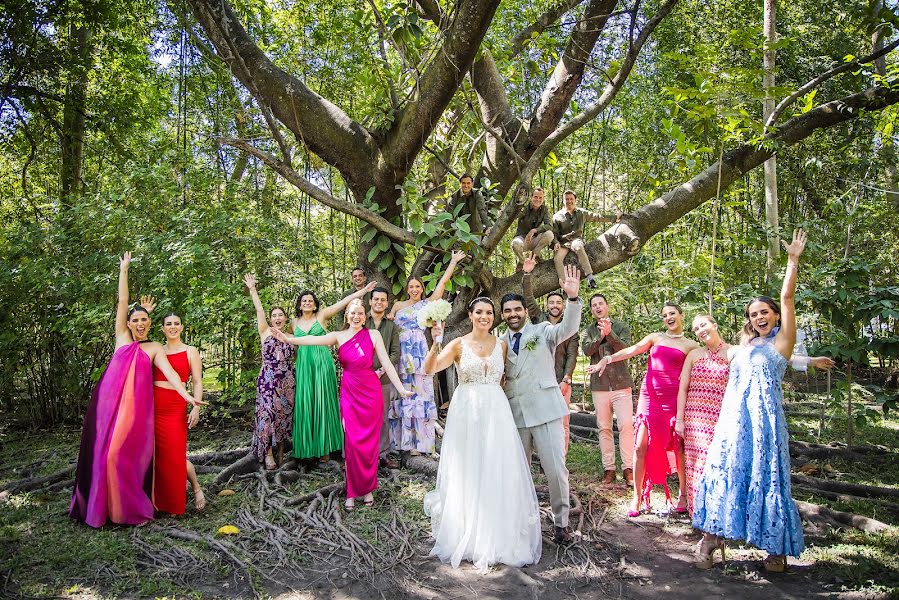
(706, 554)
(775, 563)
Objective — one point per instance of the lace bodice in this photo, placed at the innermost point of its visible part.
(474, 369)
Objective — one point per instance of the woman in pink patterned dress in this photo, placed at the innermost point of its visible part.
(702, 384)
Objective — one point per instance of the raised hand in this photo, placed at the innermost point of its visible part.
(437, 331)
(368, 287)
(529, 263)
(250, 281)
(571, 285)
(148, 302)
(457, 256)
(125, 260)
(795, 248)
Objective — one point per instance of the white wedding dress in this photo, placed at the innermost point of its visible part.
(484, 508)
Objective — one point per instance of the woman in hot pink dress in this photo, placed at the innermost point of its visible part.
(361, 402)
(656, 412)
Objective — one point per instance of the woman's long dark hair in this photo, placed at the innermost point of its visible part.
(749, 331)
(298, 310)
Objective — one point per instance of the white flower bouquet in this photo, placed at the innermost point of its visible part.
(433, 313)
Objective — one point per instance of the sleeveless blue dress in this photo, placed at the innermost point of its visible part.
(744, 492)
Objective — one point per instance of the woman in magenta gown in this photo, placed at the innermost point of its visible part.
(654, 436)
(113, 477)
(361, 402)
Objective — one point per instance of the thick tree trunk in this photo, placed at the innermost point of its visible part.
(74, 110)
(772, 216)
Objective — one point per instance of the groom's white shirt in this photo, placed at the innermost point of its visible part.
(531, 386)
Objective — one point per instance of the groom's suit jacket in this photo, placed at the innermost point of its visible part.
(534, 394)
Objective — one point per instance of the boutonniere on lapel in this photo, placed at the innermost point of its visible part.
(532, 343)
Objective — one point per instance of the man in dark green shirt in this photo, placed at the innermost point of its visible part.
(534, 232)
(568, 227)
(360, 280)
(390, 333)
(469, 201)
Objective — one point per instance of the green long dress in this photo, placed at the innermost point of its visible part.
(317, 430)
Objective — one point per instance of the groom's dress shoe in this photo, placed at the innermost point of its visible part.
(629, 476)
(562, 536)
(609, 477)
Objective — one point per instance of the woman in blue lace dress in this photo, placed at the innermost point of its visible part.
(744, 492)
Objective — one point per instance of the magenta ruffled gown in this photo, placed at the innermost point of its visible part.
(657, 411)
(111, 480)
(361, 406)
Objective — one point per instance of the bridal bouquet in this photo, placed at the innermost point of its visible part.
(433, 313)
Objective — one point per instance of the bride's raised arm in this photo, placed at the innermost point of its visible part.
(437, 362)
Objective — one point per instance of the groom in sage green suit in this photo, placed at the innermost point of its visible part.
(534, 396)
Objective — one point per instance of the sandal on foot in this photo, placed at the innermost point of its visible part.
(775, 563)
(350, 505)
(199, 500)
(369, 503)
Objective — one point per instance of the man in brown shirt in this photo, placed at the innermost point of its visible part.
(566, 352)
(377, 319)
(568, 228)
(534, 231)
(611, 390)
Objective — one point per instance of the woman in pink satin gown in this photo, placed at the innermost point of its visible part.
(654, 437)
(361, 402)
(111, 479)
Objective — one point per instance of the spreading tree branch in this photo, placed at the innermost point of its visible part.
(384, 226)
(848, 66)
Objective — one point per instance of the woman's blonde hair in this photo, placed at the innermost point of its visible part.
(349, 307)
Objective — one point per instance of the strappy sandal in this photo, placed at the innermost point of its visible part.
(350, 504)
(775, 563)
(369, 503)
(199, 500)
(706, 554)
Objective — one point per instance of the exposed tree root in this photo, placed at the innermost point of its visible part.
(34, 483)
(224, 457)
(838, 497)
(422, 464)
(312, 496)
(247, 464)
(798, 448)
(823, 515)
(855, 489)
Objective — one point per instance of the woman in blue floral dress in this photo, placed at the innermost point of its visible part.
(412, 420)
(744, 492)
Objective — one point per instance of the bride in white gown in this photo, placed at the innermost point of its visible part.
(484, 508)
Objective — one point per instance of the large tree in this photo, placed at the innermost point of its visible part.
(433, 91)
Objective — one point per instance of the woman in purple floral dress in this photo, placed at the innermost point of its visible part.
(274, 386)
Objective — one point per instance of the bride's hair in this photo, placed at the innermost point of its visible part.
(484, 299)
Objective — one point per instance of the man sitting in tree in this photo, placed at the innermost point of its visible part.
(568, 228)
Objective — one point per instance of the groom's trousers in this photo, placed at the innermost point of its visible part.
(549, 441)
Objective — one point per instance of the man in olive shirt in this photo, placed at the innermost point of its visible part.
(611, 390)
(472, 203)
(391, 336)
(566, 352)
(360, 280)
(568, 228)
(534, 231)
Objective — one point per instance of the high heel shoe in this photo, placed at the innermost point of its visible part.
(775, 563)
(643, 500)
(705, 553)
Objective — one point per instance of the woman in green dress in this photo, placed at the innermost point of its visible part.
(317, 430)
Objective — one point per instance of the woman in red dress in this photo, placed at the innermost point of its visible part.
(170, 464)
(654, 437)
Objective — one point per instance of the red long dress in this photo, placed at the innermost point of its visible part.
(170, 428)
